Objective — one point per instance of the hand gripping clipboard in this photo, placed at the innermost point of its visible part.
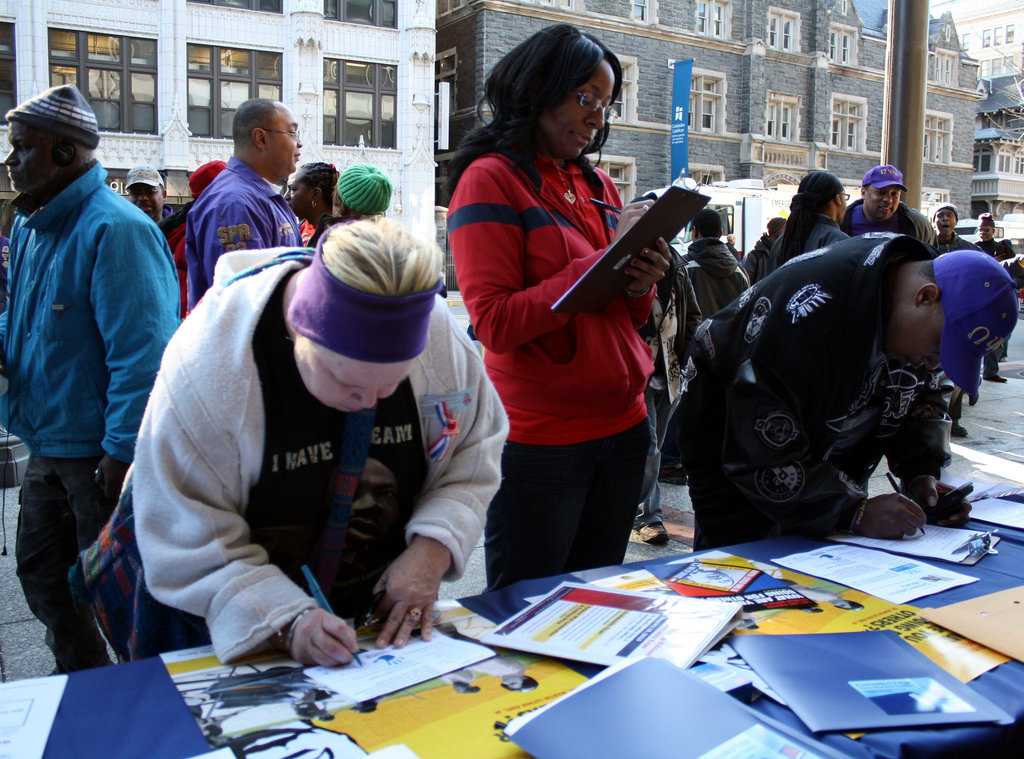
(606, 279)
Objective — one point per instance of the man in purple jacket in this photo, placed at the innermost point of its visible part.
(241, 209)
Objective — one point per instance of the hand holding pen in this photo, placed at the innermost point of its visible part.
(317, 636)
(891, 516)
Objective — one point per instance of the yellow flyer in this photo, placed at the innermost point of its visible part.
(461, 714)
(836, 608)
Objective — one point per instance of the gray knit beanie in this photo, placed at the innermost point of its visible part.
(61, 111)
(365, 189)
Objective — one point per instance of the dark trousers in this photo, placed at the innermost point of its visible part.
(564, 508)
(62, 513)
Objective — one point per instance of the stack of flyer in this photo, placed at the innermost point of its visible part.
(605, 625)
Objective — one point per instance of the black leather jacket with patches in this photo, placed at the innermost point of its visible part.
(792, 382)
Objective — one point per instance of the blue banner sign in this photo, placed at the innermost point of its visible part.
(681, 119)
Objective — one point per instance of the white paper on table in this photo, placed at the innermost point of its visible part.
(937, 542)
(896, 579)
(398, 751)
(390, 669)
(27, 711)
(999, 511)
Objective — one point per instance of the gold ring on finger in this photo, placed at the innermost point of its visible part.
(415, 614)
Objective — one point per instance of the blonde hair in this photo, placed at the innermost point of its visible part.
(377, 256)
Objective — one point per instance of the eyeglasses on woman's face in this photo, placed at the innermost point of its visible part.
(591, 103)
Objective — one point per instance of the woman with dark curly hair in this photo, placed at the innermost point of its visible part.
(523, 229)
(815, 213)
(309, 194)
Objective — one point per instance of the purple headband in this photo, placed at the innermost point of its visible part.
(382, 329)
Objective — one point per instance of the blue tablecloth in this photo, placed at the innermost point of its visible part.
(1003, 685)
(134, 709)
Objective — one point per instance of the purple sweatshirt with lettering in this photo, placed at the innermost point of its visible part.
(239, 210)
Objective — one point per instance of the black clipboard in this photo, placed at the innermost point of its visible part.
(606, 279)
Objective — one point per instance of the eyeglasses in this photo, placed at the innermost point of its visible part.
(294, 134)
(591, 103)
(846, 196)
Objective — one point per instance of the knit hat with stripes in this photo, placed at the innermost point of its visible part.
(365, 189)
(61, 111)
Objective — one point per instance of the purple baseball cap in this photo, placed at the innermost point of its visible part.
(979, 300)
(884, 176)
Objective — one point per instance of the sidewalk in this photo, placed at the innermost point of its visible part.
(992, 451)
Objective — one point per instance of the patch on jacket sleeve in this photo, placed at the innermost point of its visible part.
(806, 301)
(777, 429)
(744, 297)
(780, 483)
(876, 252)
(703, 337)
(689, 372)
(758, 314)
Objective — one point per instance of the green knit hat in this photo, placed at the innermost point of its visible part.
(365, 189)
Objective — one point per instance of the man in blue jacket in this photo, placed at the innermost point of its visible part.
(240, 209)
(93, 302)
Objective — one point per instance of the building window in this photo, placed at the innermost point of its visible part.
(783, 30)
(220, 79)
(639, 11)
(623, 173)
(626, 104)
(1018, 165)
(116, 74)
(937, 137)
(706, 103)
(713, 18)
(986, 38)
(359, 103)
(842, 46)
(706, 175)
(965, 41)
(781, 123)
(273, 6)
(997, 36)
(372, 12)
(7, 79)
(942, 68)
(444, 71)
(1010, 36)
(848, 117)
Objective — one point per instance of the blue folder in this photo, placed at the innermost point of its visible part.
(131, 710)
(862, 681)
(655, 710)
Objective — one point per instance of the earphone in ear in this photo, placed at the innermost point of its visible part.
(63, 153)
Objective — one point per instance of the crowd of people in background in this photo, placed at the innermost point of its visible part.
(273, 341)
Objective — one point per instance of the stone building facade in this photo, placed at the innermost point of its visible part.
(992, 33)
(166, 75)
(780, 87)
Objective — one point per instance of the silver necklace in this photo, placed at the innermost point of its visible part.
(568, 194)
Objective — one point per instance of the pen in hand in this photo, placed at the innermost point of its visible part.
(899, 490)
(322, 602)
(606, 206)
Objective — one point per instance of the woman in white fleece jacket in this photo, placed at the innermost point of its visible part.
(238, 452)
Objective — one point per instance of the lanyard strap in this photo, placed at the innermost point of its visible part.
(355, 445)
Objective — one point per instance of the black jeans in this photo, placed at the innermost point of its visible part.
(564, 508)
(62, 513)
